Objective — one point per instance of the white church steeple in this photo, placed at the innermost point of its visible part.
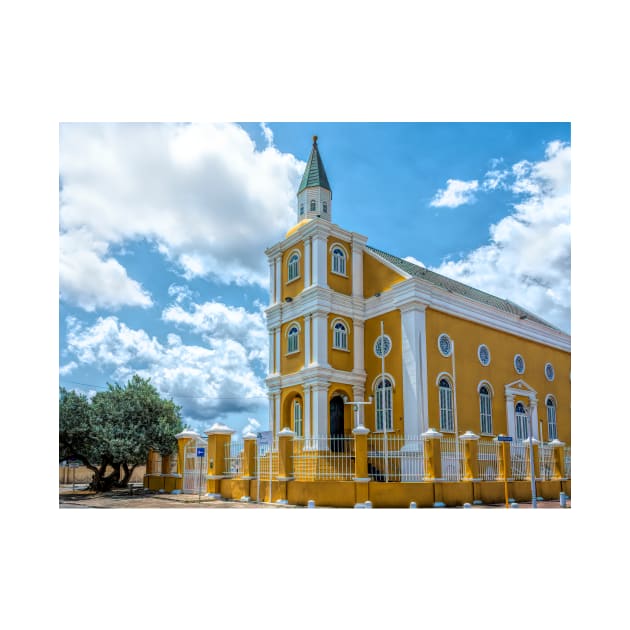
(314, 195)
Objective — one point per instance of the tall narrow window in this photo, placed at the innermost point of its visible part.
(297, 418)
(301, 209)
(325, 207)
(384, 405)
(521, 422)
(485, 410)
(292, 340)
(446, 406)
(294, 267)
(313, 205)
(551, 419)
(340, 339)
(339, 261)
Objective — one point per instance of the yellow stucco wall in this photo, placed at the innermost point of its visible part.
(287, 396)
(393, 366)
(377, 277)
(467, 336)
(293, 362)
(340, 359)
(338, 283)
(295, 287)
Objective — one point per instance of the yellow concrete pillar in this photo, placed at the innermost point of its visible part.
(471, 462)
(505, 461)
(219, 435)
(360, 453)
(166, 465)
(182, 439)
(432, 455)
(285, 454)
(558, 459)
(249, 456)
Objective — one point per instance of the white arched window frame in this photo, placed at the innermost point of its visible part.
(293, 338)
(341, 330)
(485, 408)
(520, 414)
(293, 266)
(339, 258)
(552, 423)
(297, 418)
(383, 394)
(445, 389)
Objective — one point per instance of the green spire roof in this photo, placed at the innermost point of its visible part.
(314, 174)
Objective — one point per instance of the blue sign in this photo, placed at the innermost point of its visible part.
(504, 438)
(201, 452)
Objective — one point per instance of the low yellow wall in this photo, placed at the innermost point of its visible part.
(454, 493)
(328, 493)
(400, 495)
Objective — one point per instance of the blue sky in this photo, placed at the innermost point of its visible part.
(163, 229)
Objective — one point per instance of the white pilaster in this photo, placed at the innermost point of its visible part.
(307, 340)
(509, 412)
(411, 365)
(278, 290)
(272, 369)
(277, 413)
(278, 335)
(307, 262)
(320, 410)
(307, 413)
(358, 330)
(320, 339)
(319, 261)
(358, 395)
(272, 282)
(357, 270)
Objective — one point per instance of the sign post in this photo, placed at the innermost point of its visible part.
(201, 451)
(504, 439)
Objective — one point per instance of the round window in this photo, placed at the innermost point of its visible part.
(549, 372)
(484, 354)
(444, 344)
(519, 363)
(382, 346)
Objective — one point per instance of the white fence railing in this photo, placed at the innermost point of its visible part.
(268, 460)
(452, 458)
(519, 455)
(545, 461)
(323, 458)
(394, 457)
(233, 458)
(488, 460)
(567, 462)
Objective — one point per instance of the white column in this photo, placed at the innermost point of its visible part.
(272, 282)
(307, 262)
(357, 270)
(509, 409)
(320, 410)
(411, 367)
(307, 414)
(278, 334)
(278, 263)
(271, 412)
(358, 330)
(358, 394)
(533, 403)
(319, 261)
(307, 340)
(320, 339)
(272, 369)
(277, 413)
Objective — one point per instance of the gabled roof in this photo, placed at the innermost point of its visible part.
(460, 289)
(314, 174)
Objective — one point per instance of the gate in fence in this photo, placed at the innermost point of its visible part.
(195, 467)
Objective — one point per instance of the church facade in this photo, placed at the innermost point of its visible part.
(361, 337)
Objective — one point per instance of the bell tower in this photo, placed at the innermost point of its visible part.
(314, 197)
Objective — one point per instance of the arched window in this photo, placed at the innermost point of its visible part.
(551, 419)
(521, 422)
(485, 410)
(340, 337)
(339, 261)
(297, 417)
(292, 339)
(446, 406)
(294, 266)
(313, 205)
(383, 395)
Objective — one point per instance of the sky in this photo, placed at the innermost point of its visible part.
(163, 227)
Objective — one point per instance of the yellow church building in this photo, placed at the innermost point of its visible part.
(388, 384)
(352, 324)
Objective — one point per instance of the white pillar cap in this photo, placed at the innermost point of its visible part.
(218, 428)
(360, 430)
(469, 435)
(556, 442)
(431, 434)
(187, 433)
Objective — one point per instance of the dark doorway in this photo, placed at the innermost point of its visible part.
(336, 424)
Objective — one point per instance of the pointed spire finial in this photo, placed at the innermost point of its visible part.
(314, 139)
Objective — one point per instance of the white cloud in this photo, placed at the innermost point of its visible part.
(528, 259)
(455, 194)
(252, 426)
(64, 370)
(414, 261)
(268, 133)
(208, 382)
(203, 194)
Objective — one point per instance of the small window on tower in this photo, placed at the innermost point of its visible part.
(313, 205)
(325, 206)
(301, 209)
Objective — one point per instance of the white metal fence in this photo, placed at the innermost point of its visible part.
(268, 460)
(567, 462)
(452, 458)
(488, 459)
(393, 457)
(233, 458)
(323, 458)
(545, 461)
(520, 460)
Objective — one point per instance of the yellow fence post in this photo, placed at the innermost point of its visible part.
(219, 435)
(471, 463)
(285, 453)
(558, 459)
(361, 475)
(432, 455)
(249, 456)
(505, 462)
(182, 439)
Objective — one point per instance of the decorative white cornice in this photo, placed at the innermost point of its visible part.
(219, 429)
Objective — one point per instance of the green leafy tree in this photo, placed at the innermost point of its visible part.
(113, 433)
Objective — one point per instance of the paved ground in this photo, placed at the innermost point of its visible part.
(81, 498)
